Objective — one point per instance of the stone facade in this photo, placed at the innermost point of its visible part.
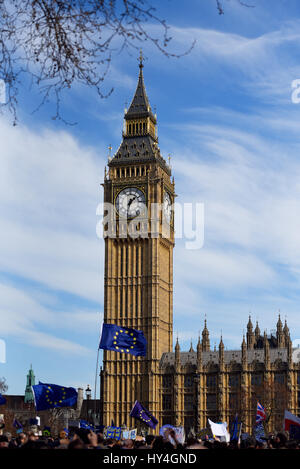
(138, 290)
(218, 384)
(180, 388)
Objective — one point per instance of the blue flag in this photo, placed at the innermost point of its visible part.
(141, 413)
(234, 433)
(2, 400)
(17, 424)
(86, 425)
(114, 432)
(33, 421)
(124, 340)
(49, 396)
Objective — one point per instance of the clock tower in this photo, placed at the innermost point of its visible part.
(138, 277)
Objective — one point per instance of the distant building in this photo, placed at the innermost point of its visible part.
(22, 409)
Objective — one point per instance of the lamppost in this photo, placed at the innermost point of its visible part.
(88, 395)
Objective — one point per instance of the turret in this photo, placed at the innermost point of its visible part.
(244, 352)
(286, 333)
(289, 350)
(266, 350)
(279, 333)
(257, 332)
(199, 355)
(205, 338)
(177, 354)
(221, 353)
(250, 334)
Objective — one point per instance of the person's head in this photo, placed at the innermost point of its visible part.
(149, 439)
(248, 443)
(62, 435)
(109, 442)
(22, 438)
(128, 444)
(139, 444)
(292, 444)
(76, 444)
(3, 441)
(32, 436)
(8, 436)
(260, 445)
(82, 433)
(158, 443)
(191, 441)
(281, 439)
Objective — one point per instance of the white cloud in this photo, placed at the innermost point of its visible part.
(22, 318)
(49, 187)
(262, 65)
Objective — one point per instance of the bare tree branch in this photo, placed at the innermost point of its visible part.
(58, 44)
(220, 4)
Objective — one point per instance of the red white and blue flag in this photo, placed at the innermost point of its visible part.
(260, 413)
(292, 425)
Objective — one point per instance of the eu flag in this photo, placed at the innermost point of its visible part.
(2, 400)
(124, 340)
(141, 413)
(49, 396)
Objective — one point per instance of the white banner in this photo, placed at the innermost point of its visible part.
(219, 429)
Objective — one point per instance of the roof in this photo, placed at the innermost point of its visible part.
(186, 358)
(140, 106)
(139, 149)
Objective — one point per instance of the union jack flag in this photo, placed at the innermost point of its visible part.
(260, 413)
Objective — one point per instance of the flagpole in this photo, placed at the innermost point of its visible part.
(240, 431)
(96, 375)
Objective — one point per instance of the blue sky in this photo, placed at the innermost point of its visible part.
(226, 116)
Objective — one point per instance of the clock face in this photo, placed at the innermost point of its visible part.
(130, 202)
(167, 209)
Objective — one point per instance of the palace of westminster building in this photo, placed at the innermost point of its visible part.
(179, 388)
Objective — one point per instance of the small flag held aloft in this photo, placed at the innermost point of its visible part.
(123, 340)
(141, 413)
(260, 413)
(17, 424)
(49, 396)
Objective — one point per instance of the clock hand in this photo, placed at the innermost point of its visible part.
(130, 201)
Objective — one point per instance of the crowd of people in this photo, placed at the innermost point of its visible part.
(87, 439)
